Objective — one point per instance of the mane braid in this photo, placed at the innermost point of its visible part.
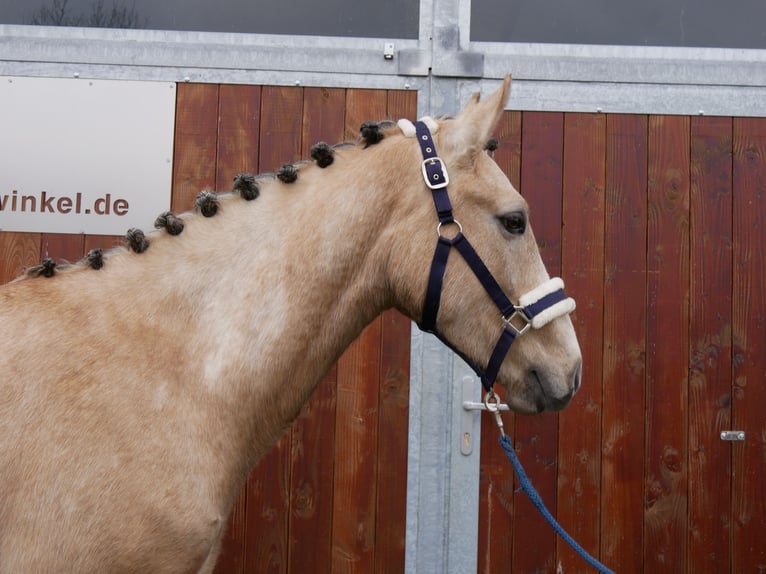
(173, 224)
(95, 258)
(322, 154)
(371, 133)
(246, 186)
(288, 173)
(136, 240)
(46, 269)
(206, 203)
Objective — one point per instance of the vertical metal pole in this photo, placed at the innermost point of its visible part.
(442, 482)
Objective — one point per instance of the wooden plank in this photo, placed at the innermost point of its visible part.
(496, 492)
(393, 425)
(267, 508)
(18, 251)
(356, 453)
(534, 542)
(667, 360)
(579, 448)
(393, 409)
(313, 434)
(238, 133)
(749, 316)
(622, 456)
(195, 144)
(710, 345)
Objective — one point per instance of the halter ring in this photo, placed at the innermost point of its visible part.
(518, 315)
(455, 221)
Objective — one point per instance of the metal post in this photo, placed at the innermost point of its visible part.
(442, 481)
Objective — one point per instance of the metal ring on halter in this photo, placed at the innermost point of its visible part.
(455, 221)
(519, 315)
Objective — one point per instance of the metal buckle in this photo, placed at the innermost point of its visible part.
(443, 170)
(518, 315)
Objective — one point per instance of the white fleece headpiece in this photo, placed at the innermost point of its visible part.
(408, 128)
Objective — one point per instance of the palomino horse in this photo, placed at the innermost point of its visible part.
(140, 386)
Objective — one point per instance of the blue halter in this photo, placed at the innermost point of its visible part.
(516, 319)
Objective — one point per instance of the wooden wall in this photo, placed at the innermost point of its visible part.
(656, 224)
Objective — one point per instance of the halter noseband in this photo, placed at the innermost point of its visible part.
(535, 309)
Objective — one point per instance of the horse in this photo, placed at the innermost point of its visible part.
(170, 366)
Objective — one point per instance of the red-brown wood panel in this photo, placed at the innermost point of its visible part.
(195, 147)
(624, 370)
(62, 247)
(356, 446)
(579, 448)
(239, 120)
(749, 332)
(710, 345)
(496, 490)
(17, 252)
(313, 434)
(393, 424)
(667, 360)
(268, 503)
(534, 543)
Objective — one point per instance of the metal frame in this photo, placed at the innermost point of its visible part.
(445, 67)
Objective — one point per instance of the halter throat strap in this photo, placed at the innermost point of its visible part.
(535, 309)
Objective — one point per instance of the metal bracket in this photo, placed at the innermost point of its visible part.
(733, 436)
(467, 416)
(443, 59)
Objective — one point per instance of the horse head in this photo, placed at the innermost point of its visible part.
(478, 215)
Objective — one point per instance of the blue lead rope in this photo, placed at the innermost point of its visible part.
(534, 497)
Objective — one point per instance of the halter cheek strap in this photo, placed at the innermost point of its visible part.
(535, 309)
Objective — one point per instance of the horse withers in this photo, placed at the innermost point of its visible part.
(140, 386)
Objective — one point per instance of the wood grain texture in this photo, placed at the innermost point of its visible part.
(534, 543)
(579, 440)
(624, 370)
(749, 333)
(239, 119)
(18, 251)
(195, 143)
(710, 331)
(665, 516)
(356, 453)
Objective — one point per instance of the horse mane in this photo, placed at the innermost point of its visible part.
(208, 202)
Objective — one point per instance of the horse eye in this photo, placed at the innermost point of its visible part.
(515, 223)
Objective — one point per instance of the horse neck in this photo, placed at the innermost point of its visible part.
(268, 293)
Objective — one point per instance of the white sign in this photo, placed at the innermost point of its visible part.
(84, 156)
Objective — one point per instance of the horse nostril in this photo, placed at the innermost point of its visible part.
(577, 378)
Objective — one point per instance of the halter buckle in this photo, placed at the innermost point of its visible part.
(520, 317)
(435, 178)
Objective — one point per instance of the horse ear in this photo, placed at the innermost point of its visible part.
(476, 123)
